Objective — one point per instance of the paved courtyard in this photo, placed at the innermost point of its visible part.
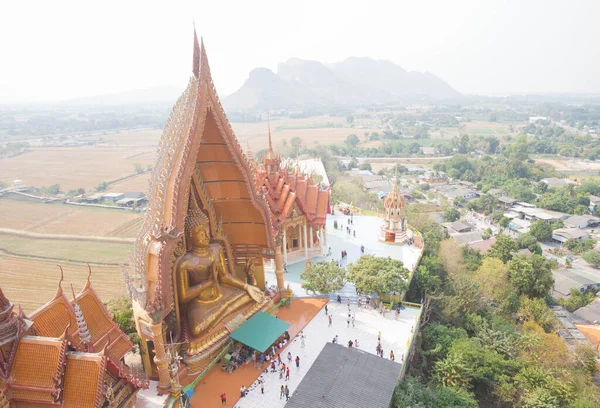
(368, 322)
(367, 233)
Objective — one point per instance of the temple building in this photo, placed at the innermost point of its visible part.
(197, 273)
(394, 229)
(68, 353)
(298, 205)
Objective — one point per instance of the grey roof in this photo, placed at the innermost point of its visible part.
(581, 221)
(467, 237)
(590, 313)
(459, 226)
(343, 377)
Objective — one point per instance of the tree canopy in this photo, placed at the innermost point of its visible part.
(323, 277)
(373, 274)
(531, 276)
(541, 230)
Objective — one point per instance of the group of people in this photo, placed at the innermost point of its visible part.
(275, 364)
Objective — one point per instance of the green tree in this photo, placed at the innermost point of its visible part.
(323, 277)
(504, 221)
(352, 140)
(592, 257)
(577, 299)
(365, 166)
(296, 145)
(531, 276)
(451, 214)
(541, 230)
(412, 393)
(581, 209)
(502, 248)
(349, 118)
(51, 190)
(373, 274)
(102, 186)
(121, 310)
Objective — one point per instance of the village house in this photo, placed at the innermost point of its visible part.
(582, 221)
(562, 235)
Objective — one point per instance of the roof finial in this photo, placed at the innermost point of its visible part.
(396, 178)
(62, 277)
(196, 61)
(269, 124)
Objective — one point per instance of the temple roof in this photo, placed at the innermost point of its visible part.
(37, 373)
(58, 316)
(283, 188)
(83, 382)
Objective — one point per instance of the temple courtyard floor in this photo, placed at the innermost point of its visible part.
(364, 231)
(308, 314)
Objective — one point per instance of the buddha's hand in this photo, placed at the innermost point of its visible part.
(254, 292)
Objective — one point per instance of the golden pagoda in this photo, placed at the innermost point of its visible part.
(393, 229)
(198, 269)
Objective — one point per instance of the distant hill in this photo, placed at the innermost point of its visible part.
(354, 81)
(158, 94)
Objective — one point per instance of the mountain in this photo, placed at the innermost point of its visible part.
(352, 82)
(158, 94)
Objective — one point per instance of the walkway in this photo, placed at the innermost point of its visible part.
(395, 336)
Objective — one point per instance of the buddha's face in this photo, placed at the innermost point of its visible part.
(199, 237)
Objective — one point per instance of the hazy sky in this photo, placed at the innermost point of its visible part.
(59, 49)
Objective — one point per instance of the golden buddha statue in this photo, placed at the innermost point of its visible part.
(205, 287)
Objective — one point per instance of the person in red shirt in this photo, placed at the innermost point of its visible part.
(297, 361)
(279, 359)
(287, 374)
(223, 399)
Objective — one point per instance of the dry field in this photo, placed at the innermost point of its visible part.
(68, 219)
(500, 130)
(72, 167)
(569, 165)
(255, 134)
(32, 283)
(58, 249)
(134, 138)
(137, 183)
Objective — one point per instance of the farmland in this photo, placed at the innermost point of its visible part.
(31, 283)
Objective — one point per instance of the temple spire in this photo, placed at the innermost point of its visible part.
(196, 61)
(5, 306)
(84, 332)
(396, 181)
(270, 142)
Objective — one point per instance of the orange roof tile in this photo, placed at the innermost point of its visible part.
(310, 202)
(39, 363)
(83, 382)
(52, 319)
(102, 327)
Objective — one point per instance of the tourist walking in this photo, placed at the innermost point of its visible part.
(302, 337)
(348, 303)
(287, 374)
(289, 356)
(350, 343)
(379, 336)
(242, 391)
(330, 321)
(223, 398)
(392, 356)
(352, 319)
(348, 320)
(281, 392)
(326, 310)
(356, 343)
(287, 393)
(297, 361)
(279, 359)
(262, 387)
